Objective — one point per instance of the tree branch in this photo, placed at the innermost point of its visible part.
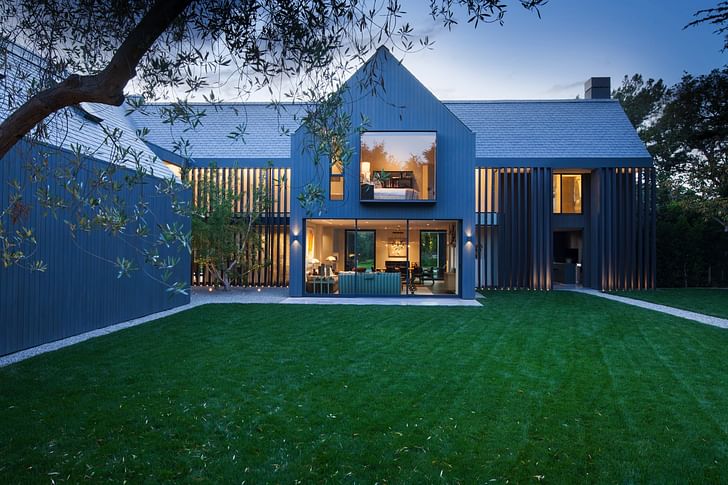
(105, 87)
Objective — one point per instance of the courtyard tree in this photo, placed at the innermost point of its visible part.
(223, 237)
(685, 129)
(92, 50)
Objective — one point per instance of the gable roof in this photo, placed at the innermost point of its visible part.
(558, 129)
(525, 130)
(81, 125)
(550, 129)
(266, 131)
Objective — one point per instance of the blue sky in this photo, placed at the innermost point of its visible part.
(551, 57)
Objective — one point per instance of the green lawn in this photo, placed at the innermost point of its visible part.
(535, 387)
(709, 301)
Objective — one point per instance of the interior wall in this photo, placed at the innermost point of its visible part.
(576, 241)
(385, 236)
(327, 241)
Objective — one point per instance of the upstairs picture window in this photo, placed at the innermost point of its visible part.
(567, 193)
(397, 166)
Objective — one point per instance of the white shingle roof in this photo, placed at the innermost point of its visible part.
(70, 127)
(550, 129)
(266, 131)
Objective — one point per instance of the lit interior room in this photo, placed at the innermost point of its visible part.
(397, 166)
(381, 257)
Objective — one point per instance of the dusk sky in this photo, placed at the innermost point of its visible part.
(551, 57)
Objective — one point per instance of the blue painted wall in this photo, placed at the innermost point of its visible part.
(404, 105)
(78, 292)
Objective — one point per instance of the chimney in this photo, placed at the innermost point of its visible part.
(598, 88)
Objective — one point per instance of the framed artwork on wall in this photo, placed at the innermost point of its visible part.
(310, 244)
(397, 248)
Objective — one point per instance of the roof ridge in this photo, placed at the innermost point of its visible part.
(529, 101)
(229, 103)
(444, 101)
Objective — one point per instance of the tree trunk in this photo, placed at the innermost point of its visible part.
(216, 274)
(106, 87)
(226, 274)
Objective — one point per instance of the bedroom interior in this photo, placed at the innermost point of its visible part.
(398, 166)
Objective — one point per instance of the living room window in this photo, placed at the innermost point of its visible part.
(567, 193)
(397, 166)
(381, 257)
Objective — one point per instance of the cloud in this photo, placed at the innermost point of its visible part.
(560, 88)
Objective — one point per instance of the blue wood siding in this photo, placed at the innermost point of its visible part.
(78, 292)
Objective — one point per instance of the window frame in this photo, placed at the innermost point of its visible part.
(433, 183)
(337, 176)
(561, 193)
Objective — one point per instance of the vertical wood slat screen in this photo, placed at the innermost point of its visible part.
(272, 227)
(625, 233)
(542, 237)
(513, 240)
(486, 216)
(514, 236)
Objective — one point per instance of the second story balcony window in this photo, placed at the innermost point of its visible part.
(398, 166)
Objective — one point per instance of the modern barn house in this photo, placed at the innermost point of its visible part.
(439, 198)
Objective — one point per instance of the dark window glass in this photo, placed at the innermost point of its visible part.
(360, 249)
(433, 256)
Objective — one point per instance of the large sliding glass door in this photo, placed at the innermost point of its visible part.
(376, 257)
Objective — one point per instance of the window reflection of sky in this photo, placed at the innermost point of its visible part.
(401, 146)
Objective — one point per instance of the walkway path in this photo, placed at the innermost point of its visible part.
(697, 317)
(202, 296)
